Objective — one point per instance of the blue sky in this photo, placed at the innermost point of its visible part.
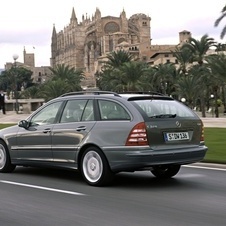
(29, 24)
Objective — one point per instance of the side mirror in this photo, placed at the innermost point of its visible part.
(24, 124)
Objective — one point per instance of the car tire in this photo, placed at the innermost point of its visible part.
(5, 162)
(95, 168)
(164, 172)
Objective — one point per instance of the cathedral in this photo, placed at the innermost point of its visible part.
(85, 45)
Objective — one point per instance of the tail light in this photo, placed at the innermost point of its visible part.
(138, 135)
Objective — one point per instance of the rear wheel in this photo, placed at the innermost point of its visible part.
(5, 162)
(164, 172)
(94, 167)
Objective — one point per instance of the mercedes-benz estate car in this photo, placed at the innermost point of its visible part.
(102, 133)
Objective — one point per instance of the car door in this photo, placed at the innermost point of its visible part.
(75, 124)
(35, 142)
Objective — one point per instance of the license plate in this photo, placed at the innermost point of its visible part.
(176, 136)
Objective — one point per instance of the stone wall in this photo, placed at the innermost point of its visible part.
(25, 105)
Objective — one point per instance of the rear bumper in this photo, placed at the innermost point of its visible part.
(129, 159)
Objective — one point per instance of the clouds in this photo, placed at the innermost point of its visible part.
(29, 23)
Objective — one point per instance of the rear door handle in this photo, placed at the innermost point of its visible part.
(48, 130)
(80, 128)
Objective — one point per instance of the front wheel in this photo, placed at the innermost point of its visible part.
(94, 167)
(164, 172)
(5, 162)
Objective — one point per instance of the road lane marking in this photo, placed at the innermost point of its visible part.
(42, 188)
(205, 167)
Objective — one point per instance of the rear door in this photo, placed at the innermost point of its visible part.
(76, 122)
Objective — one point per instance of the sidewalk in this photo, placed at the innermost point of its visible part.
(12, 117)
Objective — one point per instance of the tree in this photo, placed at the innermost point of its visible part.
(164, 78)
(217, 65)
(184, 58)
(199, 49)
(189, 87)
(70, 76)
(108, 78)
(15, 78)
(217, 22)
(117, 59)
(32, 92)
(131, 76)
(53, 89)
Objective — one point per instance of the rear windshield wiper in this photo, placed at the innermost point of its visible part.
(164, 116)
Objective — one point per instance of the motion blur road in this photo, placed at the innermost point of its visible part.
(196, 196)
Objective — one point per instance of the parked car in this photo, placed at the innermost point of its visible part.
(102, 133)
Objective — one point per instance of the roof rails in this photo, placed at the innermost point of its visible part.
(143, 92)
(90, 92)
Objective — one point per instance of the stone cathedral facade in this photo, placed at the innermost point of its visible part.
(85, 45)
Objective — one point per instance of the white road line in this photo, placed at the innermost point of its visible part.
(42, 188)
(205, 167)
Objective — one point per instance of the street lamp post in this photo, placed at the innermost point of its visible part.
(212, 103)
(15, 57)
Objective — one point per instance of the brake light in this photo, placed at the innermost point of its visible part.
(138, 135)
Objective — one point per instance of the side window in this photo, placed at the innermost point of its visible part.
(47, 115)
(110, 110)
(88, 114)
(73, 111)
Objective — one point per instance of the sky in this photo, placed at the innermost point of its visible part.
(28, 24)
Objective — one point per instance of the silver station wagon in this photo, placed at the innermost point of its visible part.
(102, 133)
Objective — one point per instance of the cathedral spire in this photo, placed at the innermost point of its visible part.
(123, 13)
(54, 31)
(73, 16)
(97, 14)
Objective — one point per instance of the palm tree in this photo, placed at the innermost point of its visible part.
(128, 77)
(199, 48)
(164, 78)
(31, 92)
(103, 78)
(189, 88)
(217, 22)
(220, 47)
(184, 58)
(217, 64)
(109, 79)
(53, 89)
(117, 59)
(71, 76)
(130, 74)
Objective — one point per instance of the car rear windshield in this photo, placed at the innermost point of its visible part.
(164, 108)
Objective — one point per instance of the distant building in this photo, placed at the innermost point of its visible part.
(161, 54)
(85, 45)
(40, 74)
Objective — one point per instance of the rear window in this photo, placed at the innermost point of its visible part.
(159, 108)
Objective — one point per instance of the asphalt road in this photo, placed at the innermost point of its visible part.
(196, 196)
